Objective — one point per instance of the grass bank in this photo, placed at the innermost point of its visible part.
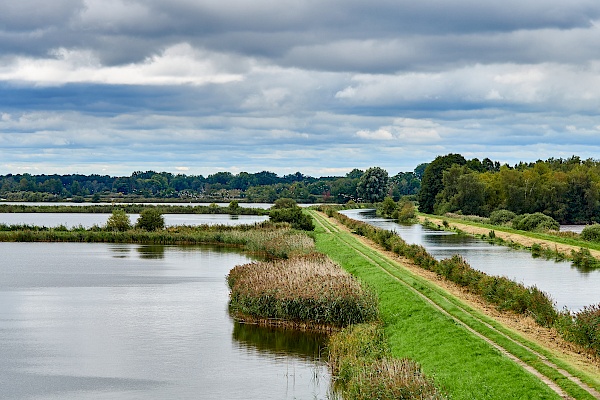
(470, 355)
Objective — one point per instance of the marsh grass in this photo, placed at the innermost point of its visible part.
(302, 290)
(362, 367)
(583, 327)
(274, 240)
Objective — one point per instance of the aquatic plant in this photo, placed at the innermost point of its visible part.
(362, 367)
(308, 289)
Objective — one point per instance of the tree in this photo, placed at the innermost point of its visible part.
(372, 185)
(432, 182)
(118, 221)
(151, 219)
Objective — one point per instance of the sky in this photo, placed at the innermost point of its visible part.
(321, 87)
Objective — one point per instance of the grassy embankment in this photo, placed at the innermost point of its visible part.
(430, 331)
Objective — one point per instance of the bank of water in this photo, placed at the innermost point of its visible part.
(87, 220)
(105, 321)
(568, 286)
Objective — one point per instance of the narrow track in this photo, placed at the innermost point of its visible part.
(393, 269)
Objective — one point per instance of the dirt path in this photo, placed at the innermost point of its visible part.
(516, 238)
(526, 327)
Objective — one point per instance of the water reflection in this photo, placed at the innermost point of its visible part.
(151, 252)
(276, 341)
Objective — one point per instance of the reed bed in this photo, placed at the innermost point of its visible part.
(362, 367)
(305, 290)
(273, 240)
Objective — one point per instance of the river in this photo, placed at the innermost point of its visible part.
(124, 321)
(568, 286)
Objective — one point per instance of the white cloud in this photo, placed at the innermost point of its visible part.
(178, 64)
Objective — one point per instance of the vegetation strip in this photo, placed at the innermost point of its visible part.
(527, 354)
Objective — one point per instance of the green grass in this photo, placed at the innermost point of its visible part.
(465, 365)
(533, 235)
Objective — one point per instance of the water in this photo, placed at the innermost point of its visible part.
(87, 220)
(106, 321)
(568, 286)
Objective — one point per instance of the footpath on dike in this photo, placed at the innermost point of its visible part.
(472, 350)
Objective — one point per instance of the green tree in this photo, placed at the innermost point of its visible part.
(432, 182)
(372, 185)
(118, 221)
(285, 202)
(151, 219)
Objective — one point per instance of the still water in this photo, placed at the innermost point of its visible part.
(568, 286)
(87, 220)
(103, 321)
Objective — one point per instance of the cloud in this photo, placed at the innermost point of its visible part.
(316, 87)
(179, 64)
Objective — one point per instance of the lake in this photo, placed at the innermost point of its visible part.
(122, 321)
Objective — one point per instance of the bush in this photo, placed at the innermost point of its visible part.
(294, 216)
(151, 219)
(535, 222)
(591, 233)
(118, 221)
(583, 327)
(501, 217)
(284, 203)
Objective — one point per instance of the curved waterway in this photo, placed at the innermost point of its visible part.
(122, 321)
(568, 286)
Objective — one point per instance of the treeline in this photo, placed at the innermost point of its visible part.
(222, 186)
(567, 190)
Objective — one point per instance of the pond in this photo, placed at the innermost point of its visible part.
(108, 321)
(568, 286)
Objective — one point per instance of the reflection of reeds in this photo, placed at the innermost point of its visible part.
(363, 369)
(310, 290)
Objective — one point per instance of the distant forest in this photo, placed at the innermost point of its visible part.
(566, 189)
(222, 186)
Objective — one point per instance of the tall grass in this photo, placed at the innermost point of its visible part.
(302, 290)
(582, 327)
(362, 367)
(275, 240)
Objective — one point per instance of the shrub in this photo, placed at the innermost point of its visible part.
(151, 219)
(583, 259)
(591, 233)
(583, 327)
(501, 217)
(284, 203)
(294, 216)
(118, 221)
(406, 211)
(535, 222)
